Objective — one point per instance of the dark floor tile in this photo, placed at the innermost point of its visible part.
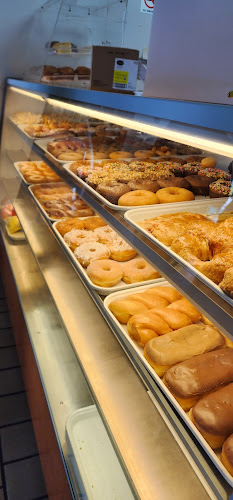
(11, 381)
(24, 480)
(8, 357)
(2, 496)
(4, 320)
(18, 441)
(6, 337)
(3, 305)
(13, 409)
(2, 291)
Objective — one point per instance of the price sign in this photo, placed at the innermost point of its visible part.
(147, 6)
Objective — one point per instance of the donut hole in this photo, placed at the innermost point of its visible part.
(106, 268)
(92, 250)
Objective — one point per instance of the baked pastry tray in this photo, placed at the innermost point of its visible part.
(81, 270)
(32, 187)
(209, 208)
(33, 137)
(214, 456)
(17, 167)
(112, 205)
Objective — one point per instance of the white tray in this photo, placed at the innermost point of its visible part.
(139, 353)
(93, 459)
(209, 208)
(17, 167)
(126, 208)
(35, 186)
(42, 143)
(101, 290)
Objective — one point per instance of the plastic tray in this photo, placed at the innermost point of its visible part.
(17, 167)
(35, 186)
(93, 459)
(124, 208)
(209, 208)
(101, 290)
(139, 353)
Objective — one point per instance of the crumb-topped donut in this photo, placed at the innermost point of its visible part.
(88, 252)
(138, 270)
(121, 250)
(174, 195)
(77, 237)
(138, 198)
(105, 272)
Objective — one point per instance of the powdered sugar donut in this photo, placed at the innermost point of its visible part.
(88, 252)
(106, 234)
(77, 237)
(121, 250)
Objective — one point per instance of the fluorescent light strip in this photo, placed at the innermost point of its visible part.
(198, 142)
(28, 94)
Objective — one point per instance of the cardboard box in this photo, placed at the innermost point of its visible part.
(114, 69)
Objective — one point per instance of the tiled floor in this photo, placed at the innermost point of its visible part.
(21, 476)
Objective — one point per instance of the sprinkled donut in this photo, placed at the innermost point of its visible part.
(88, 252)
(105, 272)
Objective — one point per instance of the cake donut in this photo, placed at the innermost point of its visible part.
(117, 155)
(144, 184)
(105, 272)
(121, 250)
(174, 195)
(138, 198)
(77, 237)
(112, 190)
(65, 225)
(88, 252)
(138, 270)
(142, 153)
(94, 222)
(106, 234)
(213, 415)
(70, 156)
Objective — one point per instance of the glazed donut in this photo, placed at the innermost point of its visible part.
(143, 153)
(208, 162)
(65, 225)
(70, 156)
(121, 250)
(116, 155)
(77, 237)
(138, 270)
(138, 198)
(88, 252)
(174, 195)
(94, 222)
(144, 327)
(105, 272)
(95, 155)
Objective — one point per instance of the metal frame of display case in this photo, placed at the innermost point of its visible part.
(207, 300)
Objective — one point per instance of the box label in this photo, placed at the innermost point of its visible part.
(147, 6)
(125, 74)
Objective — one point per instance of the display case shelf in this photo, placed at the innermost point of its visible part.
(99, 354)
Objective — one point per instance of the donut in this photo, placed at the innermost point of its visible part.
(112, 190)
(65, 225)
(116, 155)
(144, 185)
(208, 162)
(94, 222)
(138, 270)
(70, 156)
(77, 237)
(88, 252)
(142, 153)
(138, 198)
(174, 182)
(105, 272)
(121, 250)
(174, 194)
(95, 155)
(106, 234)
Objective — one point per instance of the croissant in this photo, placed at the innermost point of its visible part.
(216, 267)
(227, 283)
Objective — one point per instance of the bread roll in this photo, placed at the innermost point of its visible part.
(213, 415)
(182, 344)
(190, 379)
(124, 309)
(143, 327)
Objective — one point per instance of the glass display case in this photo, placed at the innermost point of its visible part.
(125, 205)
